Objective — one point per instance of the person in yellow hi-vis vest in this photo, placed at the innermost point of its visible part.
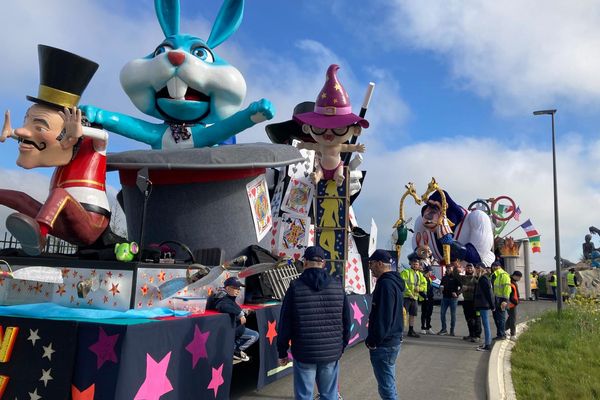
(412, 279)
(572, 282)
(501, 288)
(533, 283)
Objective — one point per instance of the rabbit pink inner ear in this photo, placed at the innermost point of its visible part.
(167, 12)
(227, 22)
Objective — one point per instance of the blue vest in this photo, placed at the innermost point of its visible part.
(318, 327)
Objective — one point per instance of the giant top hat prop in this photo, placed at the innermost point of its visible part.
(63, 77)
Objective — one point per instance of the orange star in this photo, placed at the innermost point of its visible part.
(61, 289)
(65, 272)
(271, 332)
(38, 287)
(87, 394)
(105, 299)
(151, 279)
(144, 290)
(90, 301)
(162, 275)
(93, 273)
(114, 289)
(109, 274)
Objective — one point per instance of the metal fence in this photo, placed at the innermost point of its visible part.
(53, 245)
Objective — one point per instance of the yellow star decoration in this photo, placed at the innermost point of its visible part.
(334, 101)
(323, 95)
(338, 87)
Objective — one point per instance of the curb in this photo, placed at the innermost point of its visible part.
(499, 380)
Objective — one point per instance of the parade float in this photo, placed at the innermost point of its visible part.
(123, 317)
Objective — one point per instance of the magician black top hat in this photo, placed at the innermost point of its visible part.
(63, 77)
(285, 132)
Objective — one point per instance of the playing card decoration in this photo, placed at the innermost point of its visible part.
(258, 194)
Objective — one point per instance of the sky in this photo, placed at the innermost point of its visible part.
(456, 85)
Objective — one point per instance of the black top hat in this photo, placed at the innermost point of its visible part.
(63, 77)
(285, 132)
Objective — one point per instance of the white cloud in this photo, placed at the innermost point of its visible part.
(521, 55)
(487, 168)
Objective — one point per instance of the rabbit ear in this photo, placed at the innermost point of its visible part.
(227, 22)
(167, 12)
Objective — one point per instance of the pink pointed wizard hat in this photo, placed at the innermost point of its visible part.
(332, 108)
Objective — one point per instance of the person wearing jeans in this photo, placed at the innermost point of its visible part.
(325, 375)
(315, 318)
(451, 288)
(385, 323)
(484, 302)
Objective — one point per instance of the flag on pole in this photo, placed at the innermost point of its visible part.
(536, 246)
(529, 229)
(517, 213)
(502, 209)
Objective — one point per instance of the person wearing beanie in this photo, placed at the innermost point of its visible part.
(471, 239)
(386, 323)
(331, 125)
(511, 321)
(315, 317)
(223, 301)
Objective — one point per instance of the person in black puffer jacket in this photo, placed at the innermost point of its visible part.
(315, 316)
(223, 301)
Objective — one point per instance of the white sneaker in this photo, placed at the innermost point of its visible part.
(423, 332)
(430, 332)
(513, 338)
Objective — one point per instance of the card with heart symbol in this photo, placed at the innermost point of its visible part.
(354, 274)
(258, 195)
(298, 197)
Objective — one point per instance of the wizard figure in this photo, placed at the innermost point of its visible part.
(331, 124)
(52, 135)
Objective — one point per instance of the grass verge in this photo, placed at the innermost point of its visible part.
(558, 357)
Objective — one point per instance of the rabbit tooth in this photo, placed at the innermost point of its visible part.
(177, 88)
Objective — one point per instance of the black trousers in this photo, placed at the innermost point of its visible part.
(511, 321)
(473, 320)
(426, 311)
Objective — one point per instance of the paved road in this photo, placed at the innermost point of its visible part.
(429, 368)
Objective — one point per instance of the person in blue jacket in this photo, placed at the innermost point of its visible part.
(315, 317)
(385, 323)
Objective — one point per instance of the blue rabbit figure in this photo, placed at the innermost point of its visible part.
(184, 83)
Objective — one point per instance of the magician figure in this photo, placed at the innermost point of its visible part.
(52, 135)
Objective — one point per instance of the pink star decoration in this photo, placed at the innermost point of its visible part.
(198, 345)
(357, 313)
(271, 331)
(217, 379)
(105, 348)
(156, 383)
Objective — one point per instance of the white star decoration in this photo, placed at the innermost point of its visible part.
(48, 351)
(33, 336)
(46, 376)
(34, 395)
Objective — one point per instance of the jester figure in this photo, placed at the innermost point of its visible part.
(471, 239)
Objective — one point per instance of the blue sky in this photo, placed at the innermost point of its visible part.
(456, 86)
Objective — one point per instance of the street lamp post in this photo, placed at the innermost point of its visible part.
(556, 233)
